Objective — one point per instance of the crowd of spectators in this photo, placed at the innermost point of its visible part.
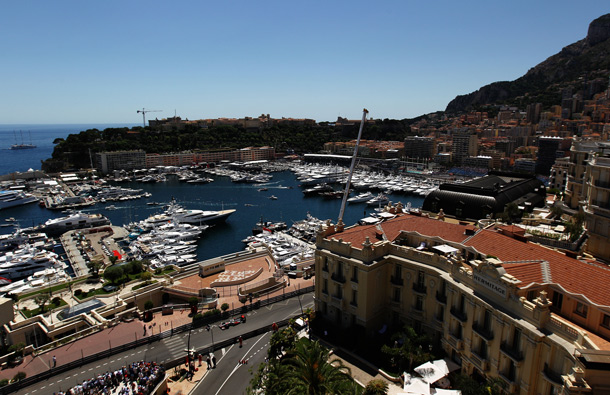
(139, 378)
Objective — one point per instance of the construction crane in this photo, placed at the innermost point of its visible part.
(144, 111)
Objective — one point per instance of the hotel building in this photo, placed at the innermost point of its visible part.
(500, 306)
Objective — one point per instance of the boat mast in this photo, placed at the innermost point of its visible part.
(351, 169)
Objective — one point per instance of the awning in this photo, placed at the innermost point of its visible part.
(445, 249)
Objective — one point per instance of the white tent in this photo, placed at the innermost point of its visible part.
(440, 391)
(415, 385)
(430, 372)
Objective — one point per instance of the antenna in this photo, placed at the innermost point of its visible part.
(351, 169)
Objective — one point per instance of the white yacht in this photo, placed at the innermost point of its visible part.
(363, 197)
(378, 200)
(19, 264)
(197, 217)
(40, 279)
(58, 226)
(15, 198)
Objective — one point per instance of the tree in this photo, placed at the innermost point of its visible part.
(224, 307)
(41, 300)
(469, 386)
(302, 369)
(574, 227)
(409, 348)
(311, 372)
(281, 342)
(114, 273)
(146, 277)
(193, 302)
(376, 387)
(148, 305)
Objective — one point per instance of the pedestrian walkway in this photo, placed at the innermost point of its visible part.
(122, 333)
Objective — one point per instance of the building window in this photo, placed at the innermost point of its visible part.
(398, 271)
(339, 271)
(355, 274)
(487, 320)
(483, 349)
(355, 297)
(339, 292)
(606, 321)
(325, 286)
(516, 339)
(421, 277)
(557, 301)
(325, 264)
(396, 294)
(581, 309)
(441, 313)
(419, 303)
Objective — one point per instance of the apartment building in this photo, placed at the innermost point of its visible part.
(548, 152)
(498, 305)
(465, 144)
(580, 153)
(107, 162)
(419, 147)
(559, 174)
(597, 203)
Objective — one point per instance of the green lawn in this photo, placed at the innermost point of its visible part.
(31, 313)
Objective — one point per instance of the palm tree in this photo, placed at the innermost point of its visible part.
(304, 368)
(311, 372)
(409, 347)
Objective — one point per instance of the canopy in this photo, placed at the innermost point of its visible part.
(430, 372)
(415, 385)
(445, 249)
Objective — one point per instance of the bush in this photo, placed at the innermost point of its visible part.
(197, 317)
(158, 271)
(148, 305)
(78, 292)
(56, 301)
(17, 348)
(211, 312)
(3, 383)
(224, 307)
(19, 376)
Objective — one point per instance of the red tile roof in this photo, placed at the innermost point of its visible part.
(577, 277)
(528, 262)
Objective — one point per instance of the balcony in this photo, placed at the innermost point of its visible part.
(480, 361)
(459, 315)
(512, 353)
(419, 288)
(602, 184)
(354, 303)
(396, 280)
(551, 375)
(485, 333)
(456, 343)
(338, 277)
(441, 297)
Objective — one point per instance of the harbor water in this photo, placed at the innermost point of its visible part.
(251, 205)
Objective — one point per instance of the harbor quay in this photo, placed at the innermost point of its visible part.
(127, 322)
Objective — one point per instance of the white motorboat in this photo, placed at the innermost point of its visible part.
(363, 197)
(15, 198)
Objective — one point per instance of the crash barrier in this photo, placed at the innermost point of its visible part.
(204, 321)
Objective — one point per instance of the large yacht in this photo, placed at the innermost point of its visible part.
(197, 217)
(19, 264)
(15, 198)
(58, 226)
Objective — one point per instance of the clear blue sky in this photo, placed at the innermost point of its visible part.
(100, 61)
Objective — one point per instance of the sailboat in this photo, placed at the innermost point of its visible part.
(23, 145)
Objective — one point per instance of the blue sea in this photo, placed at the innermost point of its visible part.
(42, 136)
(251, 205)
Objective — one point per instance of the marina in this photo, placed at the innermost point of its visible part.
(193, 222)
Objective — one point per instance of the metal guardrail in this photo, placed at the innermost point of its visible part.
(153, 338)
